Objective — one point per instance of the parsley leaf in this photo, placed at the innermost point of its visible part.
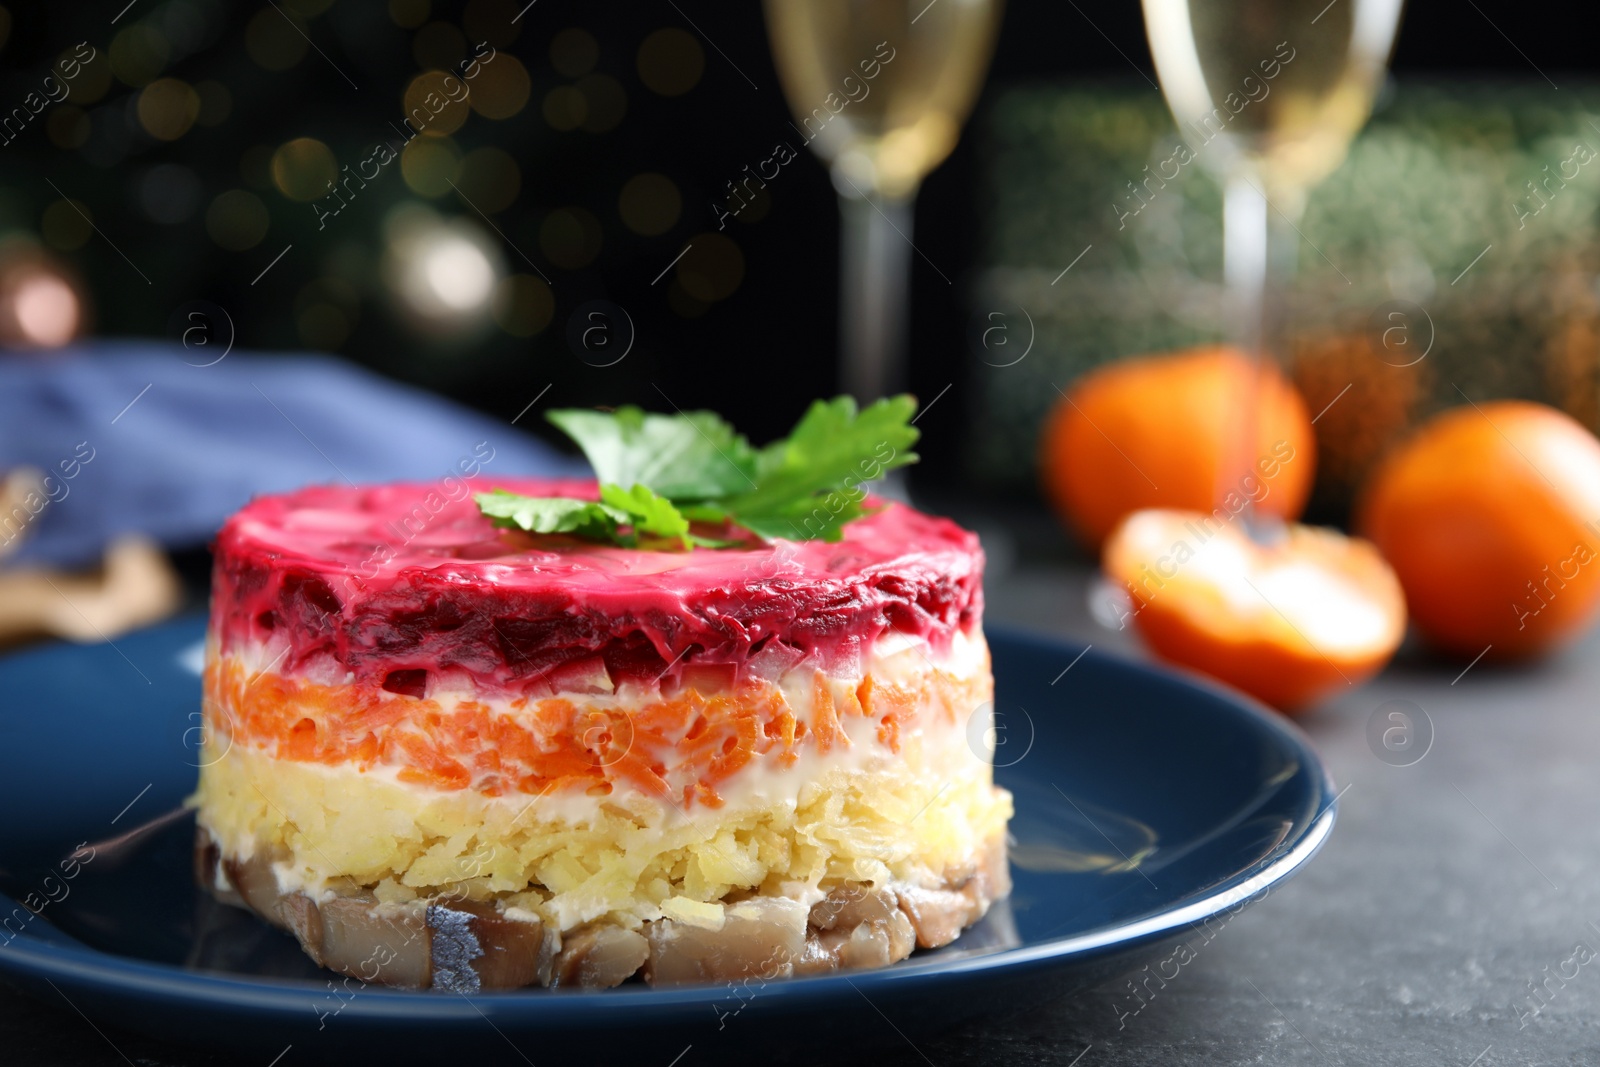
(553, 514)
(814, 518)
(808, 484)
(660, 473)
(691, 456)
(647, 512)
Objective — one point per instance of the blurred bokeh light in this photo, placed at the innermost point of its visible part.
(501, 87)
(430, 164)
(671, 61)
(41, 301)
(303, 168)
(570, 237)
(435, 103)
(442, 271)
(275, 40)
(237, 220)
(574, 52)
(167, 108)
(523, 305)
(650, 204)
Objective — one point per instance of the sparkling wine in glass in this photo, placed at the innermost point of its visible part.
(879, 89)
(1268, 94)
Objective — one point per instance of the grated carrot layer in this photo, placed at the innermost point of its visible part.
(679, 748)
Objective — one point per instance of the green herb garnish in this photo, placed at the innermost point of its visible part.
(659, 473)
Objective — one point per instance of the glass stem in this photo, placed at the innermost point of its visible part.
(874, 295)
(1252, 244)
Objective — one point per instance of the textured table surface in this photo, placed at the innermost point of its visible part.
(1450, 888)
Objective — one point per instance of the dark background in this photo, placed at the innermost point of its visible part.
(762, 352)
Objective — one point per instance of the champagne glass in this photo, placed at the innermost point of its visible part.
(1268, 94)
(879, 90)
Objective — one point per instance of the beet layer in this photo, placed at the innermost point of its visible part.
(407, 586)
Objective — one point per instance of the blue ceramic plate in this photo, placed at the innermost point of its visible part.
(1146, 804)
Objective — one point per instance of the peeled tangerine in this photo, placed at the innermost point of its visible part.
(1286, 622)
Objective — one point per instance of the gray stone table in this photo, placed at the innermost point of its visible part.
(1449, 888)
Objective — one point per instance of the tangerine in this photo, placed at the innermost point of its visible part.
(1287, 621)
(1157, 431)
(1489, 515)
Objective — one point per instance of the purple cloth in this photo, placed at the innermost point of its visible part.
(134, 438)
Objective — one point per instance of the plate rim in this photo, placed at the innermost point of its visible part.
(56, 955)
